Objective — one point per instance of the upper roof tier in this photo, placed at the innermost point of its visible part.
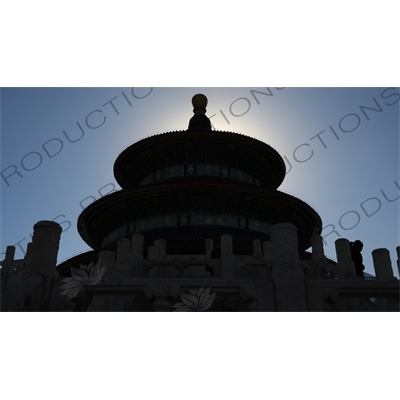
(199, 145)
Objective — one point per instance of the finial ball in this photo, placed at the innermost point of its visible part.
(199, 102)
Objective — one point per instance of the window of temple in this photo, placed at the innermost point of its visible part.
(214, 170)
(187, 219)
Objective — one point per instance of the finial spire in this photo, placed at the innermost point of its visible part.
(199, 102)
(199, 122)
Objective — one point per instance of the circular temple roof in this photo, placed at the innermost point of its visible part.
(212, 147)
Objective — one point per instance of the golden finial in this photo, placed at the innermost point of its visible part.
(199, 102)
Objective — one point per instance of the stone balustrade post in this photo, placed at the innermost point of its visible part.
(103, 302)
(137, 253)
(123, 249)
(287, 273)
(345, 266)
(161, 245)
(107, 259)
(257, 248)
(398, 258)
(9, 258)
(157, 252)
(209, 248)
(267, 253)
(318, 256)
(42, 253)
(317, 248)
(137, 244)
(227, 257)
(382, 263)
(27, 268)
(7, 270)
(123, 256)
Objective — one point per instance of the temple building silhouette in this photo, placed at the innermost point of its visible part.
(199, 225)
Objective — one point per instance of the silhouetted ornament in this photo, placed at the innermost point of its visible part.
(199, 122)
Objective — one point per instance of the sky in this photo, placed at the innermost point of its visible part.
(340, 146)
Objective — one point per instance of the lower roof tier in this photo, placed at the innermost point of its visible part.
(198, 205)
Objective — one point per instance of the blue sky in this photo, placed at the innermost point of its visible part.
(340, 145)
